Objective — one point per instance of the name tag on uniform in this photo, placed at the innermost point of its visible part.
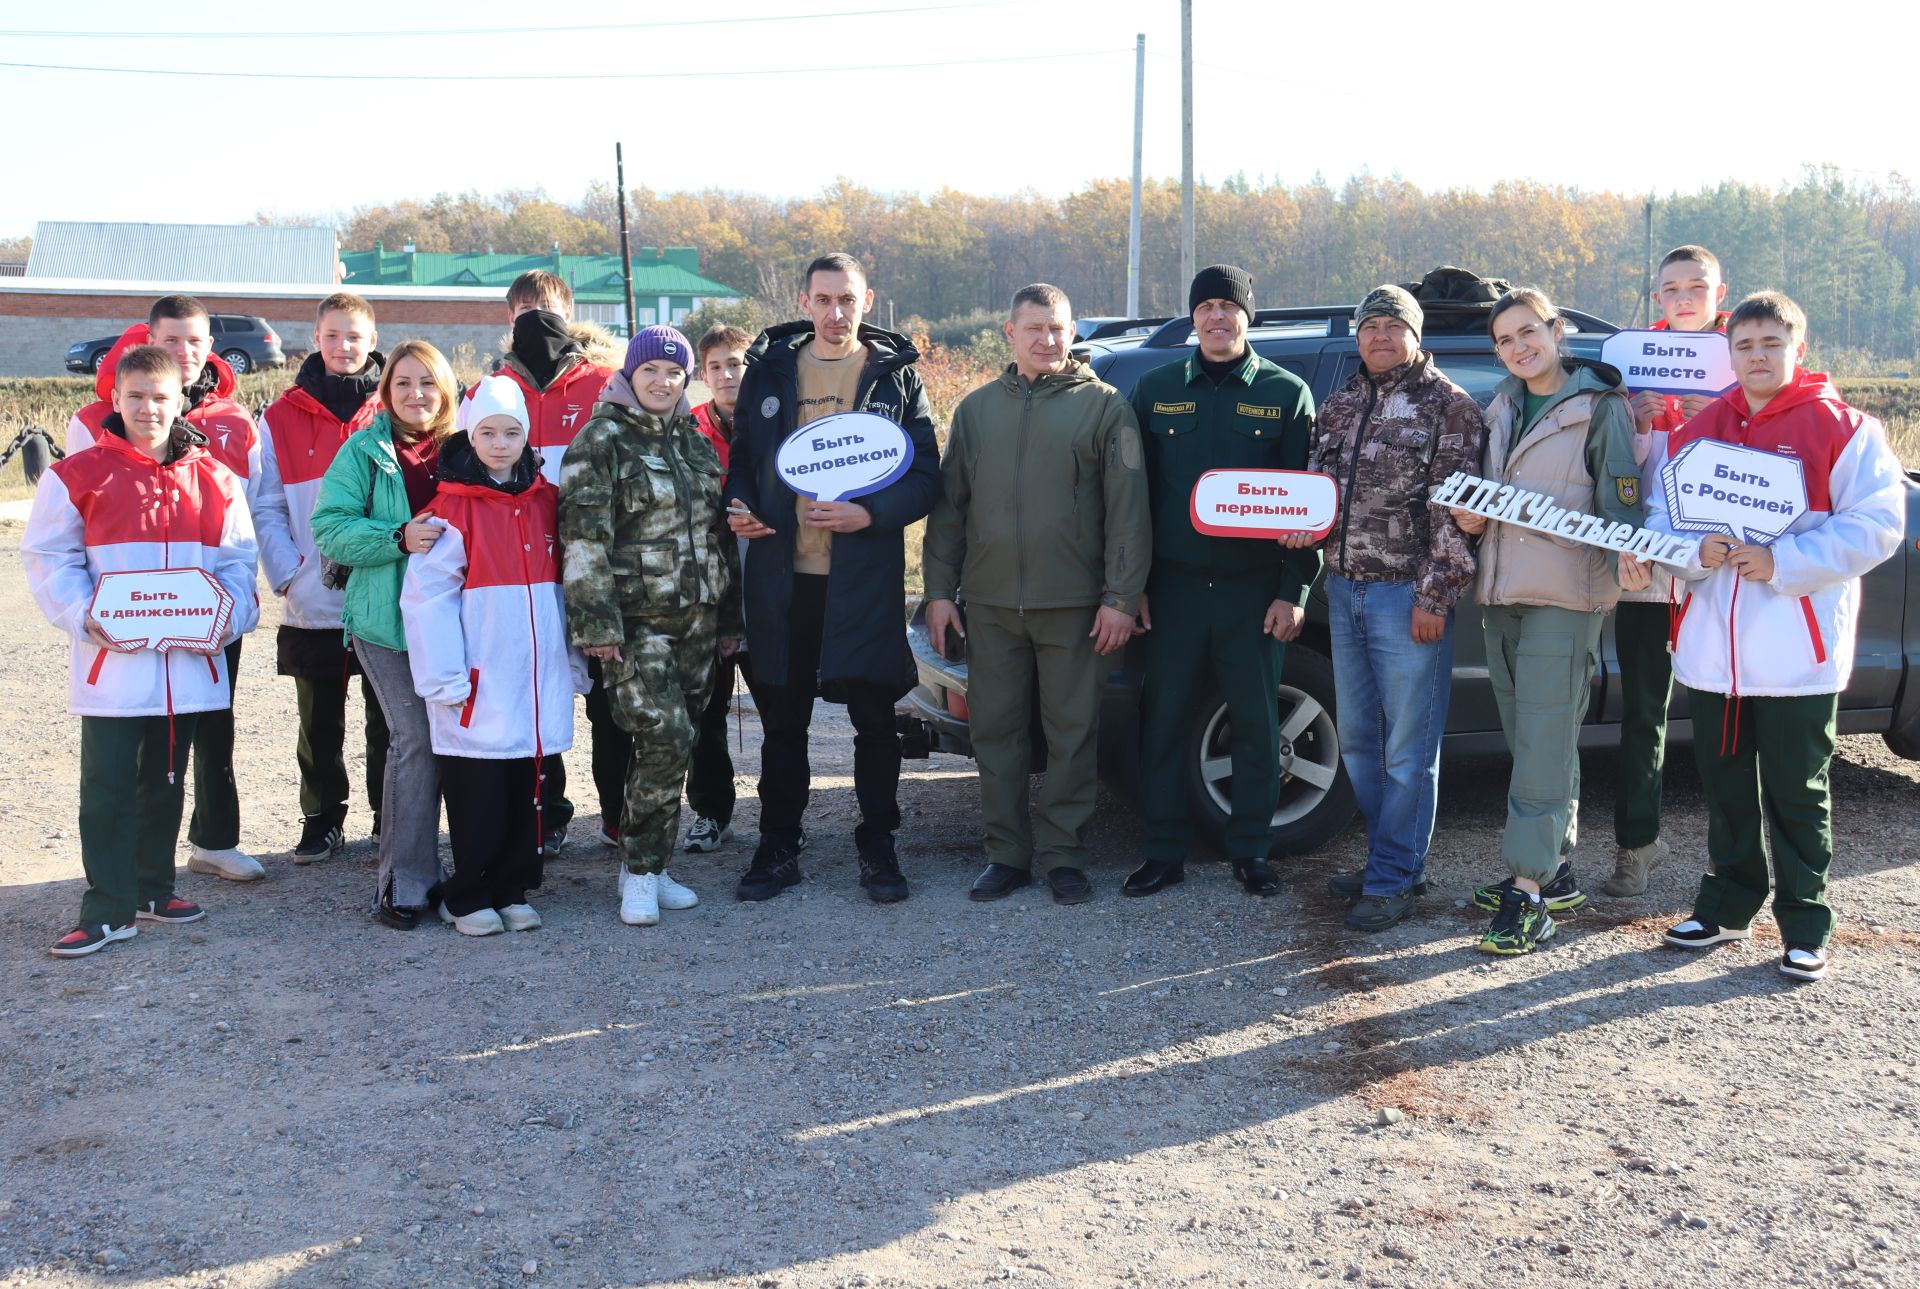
(1265, 413)
(1176, 409)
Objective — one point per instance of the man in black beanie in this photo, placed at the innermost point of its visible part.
(1219, 609)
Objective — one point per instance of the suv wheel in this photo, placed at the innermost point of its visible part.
(99, 360)
(238, 360)
(1316, 800)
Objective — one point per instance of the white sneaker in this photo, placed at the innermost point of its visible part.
(675, 896)
(706, 834)
(234, 865)
(639, 898)
(520, 917)
(481, 922)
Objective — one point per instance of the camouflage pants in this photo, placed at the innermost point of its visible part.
(657, 693)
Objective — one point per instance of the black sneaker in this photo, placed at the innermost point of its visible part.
(1804, 962)
(1696, 934)
(172, 910)
(1562, 894)
(1522, 925)
(555, 840)
(320, 836)
(880, 872)
(1351, 886)
(83, 940)
(772, 871)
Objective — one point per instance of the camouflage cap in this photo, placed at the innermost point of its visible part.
(1391, 302)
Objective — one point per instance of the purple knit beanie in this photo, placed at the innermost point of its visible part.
(661, 342)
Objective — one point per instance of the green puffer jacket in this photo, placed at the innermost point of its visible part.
(348, 532)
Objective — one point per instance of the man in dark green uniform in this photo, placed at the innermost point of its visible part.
(1219, 609)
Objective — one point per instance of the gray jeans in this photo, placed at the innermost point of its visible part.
(410, 794)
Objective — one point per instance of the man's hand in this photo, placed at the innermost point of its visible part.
(1755, 563)
(1647, 406)
(1470, 524)
(744, 523)
(730, 645)
(1298, 541)
(943, 616)
(419, 536)
(1691, 405)
(605, 653)
(1146, 618)
(1714, 549)
(838, 516)
(1635, 574)
(99, 638)
(1284, 620)
(1428, 628)
(1111, 630)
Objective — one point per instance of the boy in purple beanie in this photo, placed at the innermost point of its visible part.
(649, 580)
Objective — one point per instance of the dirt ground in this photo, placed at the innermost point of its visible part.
(1198, 1089)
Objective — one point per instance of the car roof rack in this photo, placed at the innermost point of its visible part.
(1443, 318)
(1121, 326)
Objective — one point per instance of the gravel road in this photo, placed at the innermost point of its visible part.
(1198, 1089)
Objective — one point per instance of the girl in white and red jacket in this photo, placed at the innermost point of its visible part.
(487, 643)
(1763, 635)
(147, 497)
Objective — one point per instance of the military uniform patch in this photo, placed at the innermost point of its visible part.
(1176, 409)
(769, 406)
(1266, 413)
(1627, 488)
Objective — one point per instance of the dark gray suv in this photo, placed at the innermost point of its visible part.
(243, 340)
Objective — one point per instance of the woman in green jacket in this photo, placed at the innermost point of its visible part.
(364, 521)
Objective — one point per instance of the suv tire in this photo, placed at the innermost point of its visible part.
(1316, 800)
(239, 361)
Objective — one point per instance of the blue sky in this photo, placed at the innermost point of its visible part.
(979, 95)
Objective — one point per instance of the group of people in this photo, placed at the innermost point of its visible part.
(569, 525)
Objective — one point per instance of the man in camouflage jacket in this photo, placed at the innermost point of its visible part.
(649, 583)
(1395, 568)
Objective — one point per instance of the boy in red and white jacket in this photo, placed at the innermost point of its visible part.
(334, 396)
(561, 367)
(180, 325)
(1764, 635)
(487, 642)
(147, 496)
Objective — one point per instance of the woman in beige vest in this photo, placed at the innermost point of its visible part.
(1561, 427)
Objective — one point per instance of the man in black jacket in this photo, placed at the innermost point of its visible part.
(825, 598)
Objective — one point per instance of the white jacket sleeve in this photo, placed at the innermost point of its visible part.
(54, 550)
(1867, 493)
(234, 564)
(79, 437)
(279, 556)
(430, 598)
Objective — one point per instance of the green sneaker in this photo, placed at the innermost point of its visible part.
(1562, 894)
(1521, 926)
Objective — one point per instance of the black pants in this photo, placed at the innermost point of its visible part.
(787, 710)
(321, 749)
(710, 774)
(132, 790)
(612, 754)
(215, 822)
(491, 823)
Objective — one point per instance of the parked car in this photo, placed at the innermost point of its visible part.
(1316, 800)
(243, 340)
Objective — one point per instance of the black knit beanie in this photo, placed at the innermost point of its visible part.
(1221, 282)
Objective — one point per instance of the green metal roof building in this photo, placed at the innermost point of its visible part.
(667, 285)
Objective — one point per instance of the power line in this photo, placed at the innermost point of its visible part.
(551, 76)
(446, 32)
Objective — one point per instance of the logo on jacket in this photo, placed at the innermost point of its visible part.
(1627, 488)
(568, 417)
(888, 410)
(769, 407)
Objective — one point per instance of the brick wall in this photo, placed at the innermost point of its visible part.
(35, 330)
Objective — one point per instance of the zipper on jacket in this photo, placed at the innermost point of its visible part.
(1353, 469)
(686, 497)
(1019, 509)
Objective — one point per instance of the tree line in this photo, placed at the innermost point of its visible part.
(1847, 249)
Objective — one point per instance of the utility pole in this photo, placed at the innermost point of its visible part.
(626, 255)
(1187, 265)
(1646, 285)
(1133, 214)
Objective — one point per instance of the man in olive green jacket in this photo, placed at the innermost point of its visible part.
(1042, 529)
(1221, 609)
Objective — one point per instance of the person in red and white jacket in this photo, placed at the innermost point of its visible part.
(334, 396)
(487, 644)
(1763, 635)
(180, 325)
(561, 367)
(147, 496)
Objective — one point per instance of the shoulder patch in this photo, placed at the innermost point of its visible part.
(769, 407)
(1627, 488)
(1130, 454)
(1176, 409)
(1265, 413)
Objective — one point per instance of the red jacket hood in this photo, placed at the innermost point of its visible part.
(1805, 387)
(1719, 322)
(479, 492)
(138, 334)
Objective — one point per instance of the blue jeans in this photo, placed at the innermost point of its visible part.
(1392, 696)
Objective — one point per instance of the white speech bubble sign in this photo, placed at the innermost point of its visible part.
(1670, 362)
(1263, 503)
(846, 455)
(162, 609)
(1715, 487)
